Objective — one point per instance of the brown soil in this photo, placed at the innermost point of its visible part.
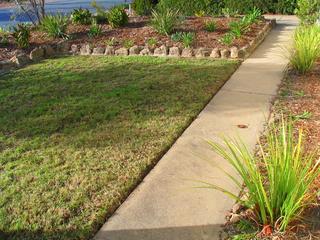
(139, 31)
(299, 94)
(5, 4)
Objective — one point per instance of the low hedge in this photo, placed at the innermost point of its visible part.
(190, 7)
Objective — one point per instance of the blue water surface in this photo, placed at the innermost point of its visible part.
(52, 7)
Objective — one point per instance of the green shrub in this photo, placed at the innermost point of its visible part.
(95, 30)
(227, 12)
(111, 42)
(191, 7)
(4, 36)
(21, 35)
(81, 16)
(152, 42)
(237, 28)
(101, 14)
(117, 17)
(128, 43)
(164, 20)
(55, 26)
(210, 26)
(227, 39)
(284, 7)
(187, 39)
(308, 11)
(279, 191)
(142, 7)
(306, 48)
(176, 37)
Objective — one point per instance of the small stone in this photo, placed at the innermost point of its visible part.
(122, 52)
(98, 51)
(235, 218)
(187, 52)
(203, 52)
(49, 51)
(145, 52)
(20, 59)
(236, 208)
(74, 49)
(234, 52)
(241, 53)
(109, 51)
(174, 52)
(63, 47)
(161, 51)
(135, 50)
(6, 65)
(85, 49)
(225, 53)
(215, 53)
(37, 54)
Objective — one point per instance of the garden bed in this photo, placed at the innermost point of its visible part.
(138, 31)
(298, 99)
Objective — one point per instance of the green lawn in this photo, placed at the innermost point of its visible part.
(77, 134)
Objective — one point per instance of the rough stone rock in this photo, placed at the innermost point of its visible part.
(203, 52)
(37, 54)
(85, 49)
(6, 65)
(235, 218)
(174, 52)
(63, 47)
(225, 53)
(109, 51)
(161, 51)
(234, 52)
(145, 52)
(236, 208)
(74, 49)
(187, 52)
(98, 51)
(20, 59)
(49, 51)
(215, 53)
(135, 50)
(122, 52)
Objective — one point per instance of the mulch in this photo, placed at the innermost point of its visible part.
(139, 31)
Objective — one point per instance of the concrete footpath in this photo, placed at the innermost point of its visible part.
(166, 206)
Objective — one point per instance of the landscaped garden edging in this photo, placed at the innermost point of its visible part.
(65, 48)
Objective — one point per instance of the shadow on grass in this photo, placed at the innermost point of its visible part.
(130, 108)
(172, 233)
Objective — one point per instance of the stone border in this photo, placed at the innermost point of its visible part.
(64, 48)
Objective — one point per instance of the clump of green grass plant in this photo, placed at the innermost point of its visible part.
(278, 183)
(306, 48)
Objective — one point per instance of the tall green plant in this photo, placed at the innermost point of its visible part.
(164, 20)
(55, 26)
(306, 48)
(278, 192)
(142, 7)
(21, 35)
(117, 17)
(308, 11)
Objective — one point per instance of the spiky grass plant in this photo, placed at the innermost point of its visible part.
(278, 182)
(306, 48)
(164, 20)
